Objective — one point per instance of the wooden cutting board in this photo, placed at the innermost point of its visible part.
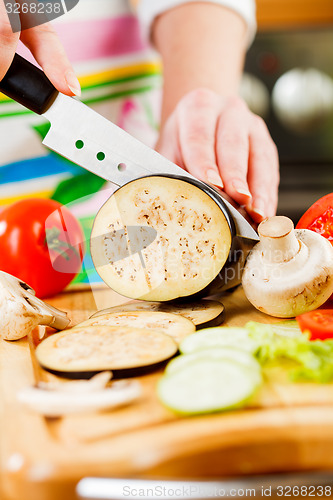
(287, 427)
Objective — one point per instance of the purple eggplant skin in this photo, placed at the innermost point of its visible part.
(230, 276)
(136, 371)
(217, 321)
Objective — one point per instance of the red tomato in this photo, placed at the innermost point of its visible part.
(41, 243)
(319, 323)
(319, 218)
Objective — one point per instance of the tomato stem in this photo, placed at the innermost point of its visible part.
(54, 243)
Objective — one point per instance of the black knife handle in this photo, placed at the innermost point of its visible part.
(28, 85)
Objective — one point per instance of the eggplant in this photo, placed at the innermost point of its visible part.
(160, 238)
(172, 324)
(80, 353)
(203, 313)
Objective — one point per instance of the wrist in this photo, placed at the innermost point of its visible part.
(202, 46)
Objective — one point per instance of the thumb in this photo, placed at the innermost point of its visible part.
(8, 41)
(48, 51)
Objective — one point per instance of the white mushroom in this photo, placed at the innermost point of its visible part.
(21, 310)
(95, 383)
(81, 396)
(289, 271)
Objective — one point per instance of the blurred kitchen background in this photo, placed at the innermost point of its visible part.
(289, 82)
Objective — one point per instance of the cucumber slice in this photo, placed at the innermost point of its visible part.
(156, 238)
(207, 385)
(216, 353)
(219, 337)
(85, 351)
(172, 324)
(203, 313)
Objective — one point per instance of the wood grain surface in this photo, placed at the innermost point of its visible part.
(288, 427)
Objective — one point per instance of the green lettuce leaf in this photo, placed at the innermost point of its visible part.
(315, 358)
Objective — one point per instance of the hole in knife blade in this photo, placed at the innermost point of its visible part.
(79, 144)
(100, 156)
(121, 167)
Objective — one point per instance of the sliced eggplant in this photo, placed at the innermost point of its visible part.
(203, 313)
(172, 324)
(81, 352)
(160, 238)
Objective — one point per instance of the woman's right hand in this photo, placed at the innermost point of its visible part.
(46, 48)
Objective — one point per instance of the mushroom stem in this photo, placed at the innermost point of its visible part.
(52, 316)
(278, 239)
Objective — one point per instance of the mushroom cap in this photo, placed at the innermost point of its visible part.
(17, 316)
(21, 311)
(287, 289)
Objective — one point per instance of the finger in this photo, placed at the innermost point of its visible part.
(48, 51)
(8, 41)
(168, 142)
(263, 172)
(232, 150)
(197, 116)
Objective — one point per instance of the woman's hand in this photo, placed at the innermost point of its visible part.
(219, 140)
(213, 136)
(45, 46)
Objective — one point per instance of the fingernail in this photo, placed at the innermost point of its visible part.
(214, 178)
(73, 83)
(258, 212)
(241, 189)
(259, 208)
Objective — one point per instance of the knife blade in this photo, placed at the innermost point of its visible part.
(86, 138)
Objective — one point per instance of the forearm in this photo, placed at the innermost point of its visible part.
(202, 45)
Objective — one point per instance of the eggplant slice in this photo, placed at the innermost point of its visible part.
(173, 325)
(84, 351)
(203, 313)
(160, 238)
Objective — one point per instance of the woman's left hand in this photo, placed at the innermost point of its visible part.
(220, 141)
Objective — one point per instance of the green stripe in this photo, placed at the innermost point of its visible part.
(115, 95)
(15, 113)
(122, 80)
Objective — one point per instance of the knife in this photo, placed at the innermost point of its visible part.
(88, 139)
